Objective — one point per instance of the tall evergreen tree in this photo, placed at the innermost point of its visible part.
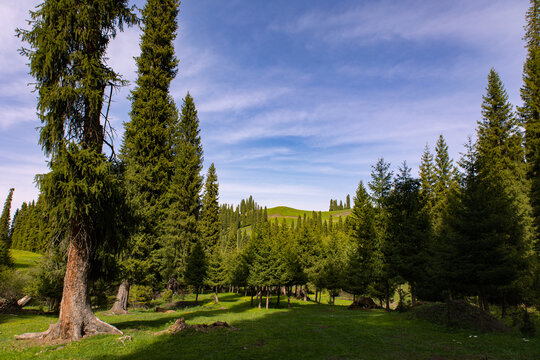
(381, 182)
(210, 224)
(5, 241)
(409, 230)
(68, 41)
(146, 150)
(361, 224)
(530, 110)
(427, 175)
(380, 186)
(500, 155)
(195, 269)
(183, 201)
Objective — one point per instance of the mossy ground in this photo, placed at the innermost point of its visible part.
(307, 331)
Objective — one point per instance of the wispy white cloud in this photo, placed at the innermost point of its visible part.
(478, 22)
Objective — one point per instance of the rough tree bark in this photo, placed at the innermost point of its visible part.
(76, 318)
(121, 303)
(267, 296)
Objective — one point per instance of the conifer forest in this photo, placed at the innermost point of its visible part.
(134, 229)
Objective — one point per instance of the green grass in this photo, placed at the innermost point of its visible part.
(287, 212)
(24, 260)
(307, 331)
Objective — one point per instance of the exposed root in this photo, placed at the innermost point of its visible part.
(73, 331)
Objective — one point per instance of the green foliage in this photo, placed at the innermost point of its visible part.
(148, 139)
(409, 229)
(48, 283)
(210, 224)
(140, 295)
(13, 283)
(5, 241)
(196, 266)
(183, 201)
(530, 110)
(360, 268)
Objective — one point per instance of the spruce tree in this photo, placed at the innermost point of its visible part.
(409, 230)
(67, 42)
(529, 112)
(195, 269)
(500, 155)
(427, 175)
(5, 241)
(361, 224)
(183, 203)
(209, 223)
(380, 186)
(146, 152)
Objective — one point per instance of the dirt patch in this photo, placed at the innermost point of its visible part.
(459, 314)
(180, 325)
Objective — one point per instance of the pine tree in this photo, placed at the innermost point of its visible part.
(5, 241)
(381, 182)
(348, 202)
(480, 225)
(146, 151)
(380, 186)
(183, 201)
(68, 41)
(409, 230)
(361, 225)
(195, 269)
(210, 224)
(500, 155)
(427, 175)
(216, 273)
(530, 110)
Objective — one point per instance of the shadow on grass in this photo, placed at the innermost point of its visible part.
(310, 331)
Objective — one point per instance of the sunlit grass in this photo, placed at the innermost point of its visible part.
(308, 330)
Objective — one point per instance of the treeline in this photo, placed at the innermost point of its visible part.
(341, 206)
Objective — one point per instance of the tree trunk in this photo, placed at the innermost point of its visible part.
(289, 291)
(387, 295)
(413, 295)
(76, 318)
(251, 291)
(305, 293)
(278, 294)
(196, 295)
(259, 296)
(503, 306)
(316, 294)
(121, 302)
(267, 296)
(216, 297)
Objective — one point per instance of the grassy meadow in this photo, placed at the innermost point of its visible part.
(306, 331)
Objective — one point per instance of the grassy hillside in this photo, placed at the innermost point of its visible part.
(290, 213)
(24, 260)
(307, 331)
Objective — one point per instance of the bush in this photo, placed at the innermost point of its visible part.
(140, 296)
(12, 284)
(167, 296)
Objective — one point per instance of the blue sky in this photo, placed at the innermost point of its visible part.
(297, 99)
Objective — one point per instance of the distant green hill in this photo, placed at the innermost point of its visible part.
(290, 213)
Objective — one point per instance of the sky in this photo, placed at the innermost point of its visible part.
(298, 99)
